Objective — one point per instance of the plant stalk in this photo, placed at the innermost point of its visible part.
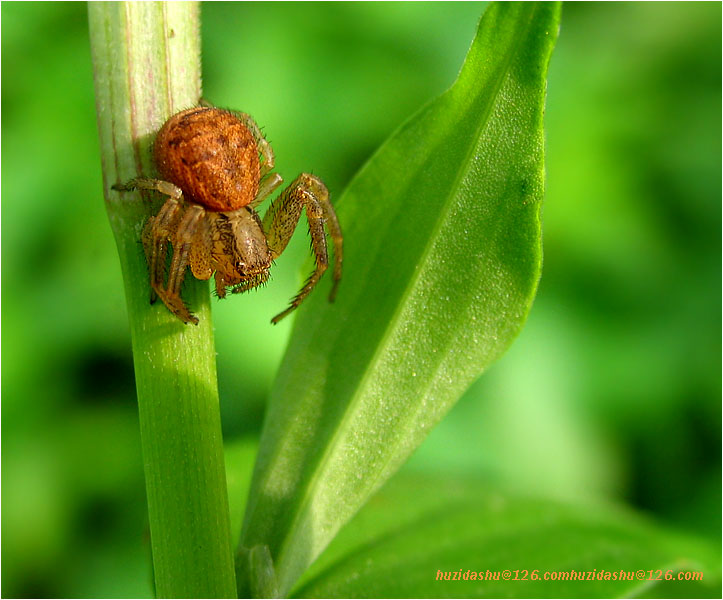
(146, 59)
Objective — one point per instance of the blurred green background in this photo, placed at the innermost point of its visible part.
(613, 389)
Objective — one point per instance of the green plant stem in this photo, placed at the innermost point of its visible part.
(147, 66)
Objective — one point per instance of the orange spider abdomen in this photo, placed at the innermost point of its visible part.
(211, 155)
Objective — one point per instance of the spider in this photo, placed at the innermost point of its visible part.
(215, 167)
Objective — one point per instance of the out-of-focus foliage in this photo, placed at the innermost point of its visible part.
(408, 541)
(613, 388)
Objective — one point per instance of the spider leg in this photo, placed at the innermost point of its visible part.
(305, 192)
(200, 258)
(220, 284)
(146, 183)
(269, 181)
(157, 232)
(182, 240)
(267, 153)
(171, 225)
(266, 187)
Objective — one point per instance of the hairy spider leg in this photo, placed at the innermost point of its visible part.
(181, 241)
(157, 230)
(200, 258)
(172, 225)
(218, 224)
(147, 183)
(266, 187)
(332, 224)
(305, 192)
(156, 234)
(267, 153)
(269, 181)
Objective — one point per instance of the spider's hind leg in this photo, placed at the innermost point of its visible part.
(182, 243)
(157, 234)
(171, 226)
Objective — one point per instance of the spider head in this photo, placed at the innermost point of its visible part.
(250, 252)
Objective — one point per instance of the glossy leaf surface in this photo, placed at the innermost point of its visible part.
(442, 259)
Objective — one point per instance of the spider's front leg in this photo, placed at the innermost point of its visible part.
(305, 192)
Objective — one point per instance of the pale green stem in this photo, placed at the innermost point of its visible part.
(146, 59)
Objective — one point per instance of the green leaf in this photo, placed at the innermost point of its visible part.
(390, 551)
(442, 259)
(239, 455)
